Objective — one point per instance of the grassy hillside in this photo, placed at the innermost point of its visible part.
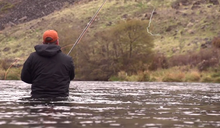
(177, 26)
(176, 30)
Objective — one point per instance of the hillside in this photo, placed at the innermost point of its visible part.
(19, 11)
(178, 26)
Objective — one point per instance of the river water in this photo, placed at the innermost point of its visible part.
(113, 105)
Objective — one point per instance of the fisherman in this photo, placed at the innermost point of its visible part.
(48, 69)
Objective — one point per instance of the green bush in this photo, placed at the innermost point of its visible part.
(174, 77)
(132, 78)
(143, 76)
(207, 79)
(192, 77)
(217, 80)
(217, 74)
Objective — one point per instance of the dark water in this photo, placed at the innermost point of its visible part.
(114, 105)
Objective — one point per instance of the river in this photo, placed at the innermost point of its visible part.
(114, 105)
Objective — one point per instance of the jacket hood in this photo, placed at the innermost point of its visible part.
(47, 50)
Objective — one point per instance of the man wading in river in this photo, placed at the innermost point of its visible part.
(48, 69)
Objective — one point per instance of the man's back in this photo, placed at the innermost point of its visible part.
(49, 71)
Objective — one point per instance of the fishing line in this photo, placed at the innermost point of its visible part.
(86, 28)
(150, 24)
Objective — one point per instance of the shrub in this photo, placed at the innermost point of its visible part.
(122, 75)
(174, 77)
(159, 61)
(193, 76)
(140, 76)
(132, 78)
(143, 76)
(207, 79)
(216, 74)
(217, 80)
(202, 59)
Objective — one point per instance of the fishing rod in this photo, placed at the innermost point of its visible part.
(86, 28)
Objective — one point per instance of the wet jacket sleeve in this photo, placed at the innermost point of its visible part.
(26, 71)
(72, 70)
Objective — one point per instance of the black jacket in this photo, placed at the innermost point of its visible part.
(49, 71)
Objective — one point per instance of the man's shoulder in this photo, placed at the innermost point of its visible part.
(32, 54)
(65, 56)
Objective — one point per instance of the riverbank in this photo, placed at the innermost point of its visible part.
(175, 74)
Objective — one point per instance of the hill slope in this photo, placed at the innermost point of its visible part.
(19, 11)
(178, 26)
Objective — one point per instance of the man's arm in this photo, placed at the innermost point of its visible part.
(26, 71)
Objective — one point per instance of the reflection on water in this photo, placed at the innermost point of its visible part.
(113, 105)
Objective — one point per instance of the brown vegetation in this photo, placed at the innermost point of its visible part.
(130, 50)
(202, 59)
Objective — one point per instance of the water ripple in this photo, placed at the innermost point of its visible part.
(114, 104)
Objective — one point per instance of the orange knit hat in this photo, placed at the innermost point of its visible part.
(51, 34)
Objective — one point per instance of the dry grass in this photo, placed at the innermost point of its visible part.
(29, 34)
(193, 76)
(176, 76)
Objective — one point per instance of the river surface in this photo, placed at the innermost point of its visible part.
(113, 105)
